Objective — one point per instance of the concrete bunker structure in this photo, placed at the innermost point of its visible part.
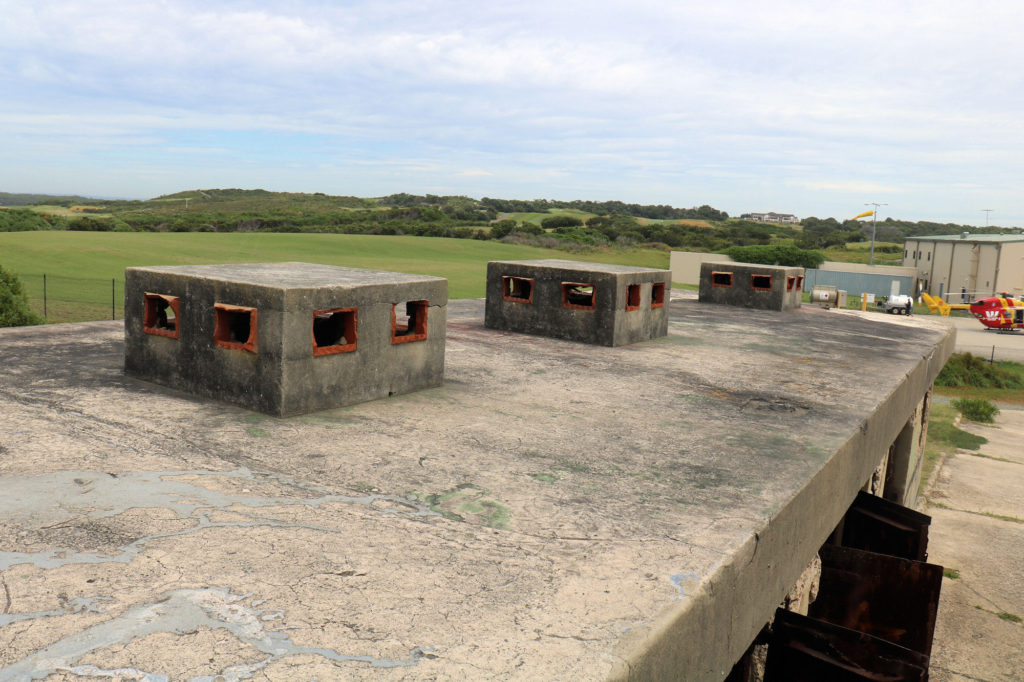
(285, 338)
(607, 305)
(768, 287)
(555, 511)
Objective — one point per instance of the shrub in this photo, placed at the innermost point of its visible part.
(90, 224)
(14, 310)
(557, 221)
(977, 410)
(964, 369)
(775, 254)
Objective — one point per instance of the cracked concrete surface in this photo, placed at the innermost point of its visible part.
(554, 510)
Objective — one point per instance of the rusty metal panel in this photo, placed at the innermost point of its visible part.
(888, 597)
(803, 649)
(878, 525)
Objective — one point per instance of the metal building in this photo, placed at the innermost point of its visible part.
(970, 265)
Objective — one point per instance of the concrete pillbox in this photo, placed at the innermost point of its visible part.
(285, 338)
(770, 287)
(607, 305)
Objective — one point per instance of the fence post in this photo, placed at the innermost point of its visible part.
(44, 295)
(113, 297)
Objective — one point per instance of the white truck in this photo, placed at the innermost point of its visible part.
(894, 305)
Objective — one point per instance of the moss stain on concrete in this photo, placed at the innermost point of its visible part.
(467, 503)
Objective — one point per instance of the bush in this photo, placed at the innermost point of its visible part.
(14, 310)
(775, 254)
(90, 224)
(24, 220)
(557, 221)
(977, 410)
(964, 369)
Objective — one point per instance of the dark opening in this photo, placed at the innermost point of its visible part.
(790, 283)
(334, 331)
(577, 295)
(800, 282)
(761, 282)
(235, 327)
(517, 289)
(721, 279)
(657, 294)
(633, 297)
(160, 316)
(410, 325)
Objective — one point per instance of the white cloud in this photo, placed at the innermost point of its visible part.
(806, 101)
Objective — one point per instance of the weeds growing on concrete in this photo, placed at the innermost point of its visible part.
(977, 410)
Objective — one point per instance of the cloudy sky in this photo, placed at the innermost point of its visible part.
(809, 108)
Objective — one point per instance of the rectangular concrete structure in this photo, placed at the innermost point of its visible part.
(607, 305)
(768, 287)
(553, 511)
(285, 338)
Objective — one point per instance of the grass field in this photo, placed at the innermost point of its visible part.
(83, 267)
(860, 252)
(66, 212)
(536, 218)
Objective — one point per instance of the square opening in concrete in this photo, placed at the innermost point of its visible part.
(235, 327)
(334, 331)
(790, 283)
(160, 315)
(657, 294)
(578, 296)
(761, 282)
(800, 283)
(517, 289)
(721, 279)
(633, 297)
(410, 326)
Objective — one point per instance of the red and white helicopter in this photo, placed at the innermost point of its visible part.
(1002, 313)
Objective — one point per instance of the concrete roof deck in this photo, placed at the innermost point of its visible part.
(290, 275)
(554, 511)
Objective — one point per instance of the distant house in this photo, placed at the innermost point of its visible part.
(770, 217)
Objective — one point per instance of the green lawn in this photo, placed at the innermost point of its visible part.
(82, 267)
(536, 218)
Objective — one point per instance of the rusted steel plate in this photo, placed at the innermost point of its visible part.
(804, 649)
(878, 525)
(885, 596)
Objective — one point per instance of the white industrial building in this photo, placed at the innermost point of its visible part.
(978, 264)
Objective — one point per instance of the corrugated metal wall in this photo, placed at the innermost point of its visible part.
(856, 283)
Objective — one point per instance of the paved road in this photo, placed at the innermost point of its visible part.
(977, 530)
(972, 337)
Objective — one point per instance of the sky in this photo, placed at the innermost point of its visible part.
(809, 108)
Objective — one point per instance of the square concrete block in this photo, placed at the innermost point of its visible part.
(607, 305)
(770, 287)
(285, 338)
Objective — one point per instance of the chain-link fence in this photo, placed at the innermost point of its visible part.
(59, 298)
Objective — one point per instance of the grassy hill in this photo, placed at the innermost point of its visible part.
(83, 267)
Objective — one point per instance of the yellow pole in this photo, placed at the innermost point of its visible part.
(863, 303)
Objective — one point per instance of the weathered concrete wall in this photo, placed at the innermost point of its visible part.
(768, 287)
(626, 305)
(685, 265)
(278, 370)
